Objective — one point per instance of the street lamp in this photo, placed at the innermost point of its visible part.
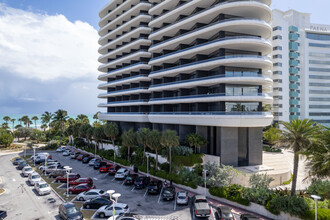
(114, 198)
(67, 169)
(315, 197)
(148, 165)
(34, 156)
(205, 170)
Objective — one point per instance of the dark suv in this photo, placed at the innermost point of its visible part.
(141, 182)
(155, 186)
(87, 159)
(99, 164)
(69, 211)
(168, 193)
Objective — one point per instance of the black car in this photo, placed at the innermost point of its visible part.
(39, 161)
(96, 203)
(141, 182)
(18, 160)
(99, 164)
(248, 217)
(3, 214)
(224, 212)
(155, 186)
(87, 159)
(69, 211)
(130, 179)
(22, 164)
(168, 193)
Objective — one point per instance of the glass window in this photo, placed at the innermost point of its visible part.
(277, 56)
(320, 106)
(277, 73)
(237, 90)
(319, 45)
(277, 28)
(319, 114)
(319, 62)
(319, 99)
(277, 64)
(320, 84)
(319, 69)
(277, 37)
(319, 91)
(318, 77)
(242, 107)
(327, 55)
(312, 36)
(237, 72)
(277, 48)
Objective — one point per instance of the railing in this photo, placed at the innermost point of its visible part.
(123, 57)
(124, 90)
(125, 113)
(128, 101)
(211, 42)
(212, 59)
(211, 113)
(208, 95)
(120, 80)
(157, 16)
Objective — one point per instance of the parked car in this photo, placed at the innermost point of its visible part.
(112, 171)
(80, 157)
(22, 164)
(43, 155)
(182, 198)
(224, 212)
(60, 149)
(81, 188)
(92, 161)
(99, 164)
(42, 166)
(105, 168)
(96, 203)
(27, 170)
(3, 214)
(106, 211)
(141, 182)
(80, 181)
(53, 168)
(93, 193)
(168, 193)
(63, 179)
(122, 173)
(17, 160)
(56, 173)
(66, 153)
(74, 155)
(69, 211)
(201, 206)
(34, 178)
(130, 179)
(248, 217)
(42, 188)
(155, 186)
(87, 159)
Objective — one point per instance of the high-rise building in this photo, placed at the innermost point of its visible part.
(201, 67)
(301, 74)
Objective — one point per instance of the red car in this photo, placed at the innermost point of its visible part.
(81, 188)
(105, 168)
(82, 156)
(63, 179)
(80, 181)
(113, 170)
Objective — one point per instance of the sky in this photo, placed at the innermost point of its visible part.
(48, 52)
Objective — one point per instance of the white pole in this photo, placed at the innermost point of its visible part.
(315, 197)
(205, 180)
(34, 157)
(147, 165)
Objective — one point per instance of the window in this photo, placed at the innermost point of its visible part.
(277, 37)
(277, 80)
(278, 97)
(277, 64)
(319, 45)
(319, 69)
(319, 114)
(278, 105)
(278, 89)
(277, 56)
(278, 113)
(233, 90)
(279, 28)
(277, 73)
(318, 77)
(319, 91)
(319, 99)
(320, 106)
(242, 107)
(320, 84)
(312, 36)
(323, 62)
(327, 55)
(277, 48)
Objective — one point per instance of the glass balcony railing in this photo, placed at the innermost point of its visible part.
(293, 117)
(128, 101)
(293, 29)
(293, 37)
(293, 46)
(134, 54)
(294, 109)
(123, 90)
(293, 70)
(124, 79)
(294, 102)
(294, 78)
(293, 55)
(293, 62)
(293, 86)
(293, 94)
(212, 113)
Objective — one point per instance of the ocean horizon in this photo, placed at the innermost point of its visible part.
(38, 122)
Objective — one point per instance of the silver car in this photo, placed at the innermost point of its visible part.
(42, 188)
(34, 178)
(27, 170)
(182, 198)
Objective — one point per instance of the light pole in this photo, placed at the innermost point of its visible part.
(67, 169)
(114, 198)
(34, 156)
(315, 197)
(204, 170)
(148, 165)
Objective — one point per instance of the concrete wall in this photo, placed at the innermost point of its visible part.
(255, 146)
(229, 146)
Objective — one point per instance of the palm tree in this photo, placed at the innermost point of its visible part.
(195, 140)
(83, 119)
(153, 142)
(20, 121)
(141, 137)
(98, 135)
(169, 139)
(298, 135)
(46, 118)
(13, 121)
(83, 131)
(44, 127)
(111, 130)
(60, 116)
(90, 133)
(129, 141)
(26, 120)
(35, 119)
(96, 114)
(6, 119)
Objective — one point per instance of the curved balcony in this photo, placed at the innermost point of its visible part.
(260, 97)
(127, 58)
(130, 68)
(124, 103)
(217, 119)
(238, 43)
(248, 9)
(213, 80)
(124, 116)
(243, 26)
(133, 45)
(110, 6)
(124, 92)
(245, 61)
(127, 80)
(158, 8)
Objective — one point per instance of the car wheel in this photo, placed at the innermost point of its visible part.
(70, 192)
(102, 215)
(81, 199)
(88, 206)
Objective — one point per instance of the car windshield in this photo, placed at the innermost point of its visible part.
(167, 191)
(28, 169)
(182, 197)
(72, 210)
(227, 215)
(35, 176)
(119, 172)
(201, 201)
(44, 185)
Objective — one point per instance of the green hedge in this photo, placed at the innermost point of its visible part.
(270, 149)
(293, 205)
(188, 161)
(231, 192)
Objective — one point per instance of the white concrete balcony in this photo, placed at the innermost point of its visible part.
(126, 69)
(125, 59)
(109, 7)
(237, 43)
(124, 116)
(244, 61)
(124, 92)
(123, 81)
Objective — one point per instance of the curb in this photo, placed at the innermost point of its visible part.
(60, 197)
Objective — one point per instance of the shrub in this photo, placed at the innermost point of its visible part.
(189, 176)
(219, 176)
(321, 188)
(231, 192)
(6, 139)
(164, 166)
(257, 195)
(79, 142)
(52, 145)
(290, 204)
(187, 160)
(260, 180)
(179, 151)
(270, 149)
(322, 214)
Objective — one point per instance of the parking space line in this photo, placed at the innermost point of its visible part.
(212, 213)
(160, 195)
(145, 193)
(123, 183)
(113, 179)
(133, 188)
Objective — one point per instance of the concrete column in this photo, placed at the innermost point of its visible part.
(184, 130)
(229, 146)
(202, 131)
(255, 146)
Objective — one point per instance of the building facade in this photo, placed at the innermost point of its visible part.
(301, 74)
(202, 67)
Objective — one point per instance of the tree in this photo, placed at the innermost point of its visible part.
(111, 131)
(129, 141)
(298, 135)
(13, 121)
(46, 118)
(35, 119)
(153, 142)
(169, 139)
(26, 120)
(260, 180)
(24, 132)
(6, 139)
(6, 119)
(90, 133)
(44, 127)
(60, 117)
(83, 131)
(98, 135)
(82, 119)
(96, 115)
(142, 137)
(272, 135)
(5, 125)
(195, 140)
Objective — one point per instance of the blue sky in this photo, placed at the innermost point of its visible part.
(48, 52)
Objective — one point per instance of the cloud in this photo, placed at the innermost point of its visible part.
(46, 63)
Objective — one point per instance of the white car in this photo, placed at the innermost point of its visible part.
(42, 188)
(66, 153)
(27, 170)
(121, 173)
(91, 194)
(182, 198)
(34, 178)
(39, 156)
(51, 165)
(92, 161)
(60, 149)
(106, 211)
